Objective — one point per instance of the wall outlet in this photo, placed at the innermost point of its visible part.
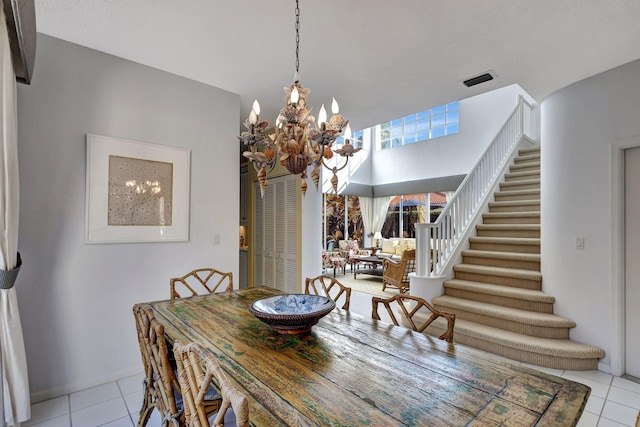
(579, 242)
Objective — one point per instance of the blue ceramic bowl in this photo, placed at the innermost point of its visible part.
(292, 313)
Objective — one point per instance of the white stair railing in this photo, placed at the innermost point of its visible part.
(437, 242)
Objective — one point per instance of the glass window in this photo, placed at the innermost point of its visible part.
(341, 220)
(404, 212)
(439, 121)
(436, 132)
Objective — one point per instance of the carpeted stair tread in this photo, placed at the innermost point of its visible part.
(534, 193)
(515, 273)
(527, 165)
(508, 184)
(513, 256)
(505, 203)
(526, 151)
(522, 174)
(526, 158)
(507, 240)
(519, 227)
(447, 303)
(529, 214)
(499, 290)
(552, 347)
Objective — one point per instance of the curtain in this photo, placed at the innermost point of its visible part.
(14, 393)
(374, 212)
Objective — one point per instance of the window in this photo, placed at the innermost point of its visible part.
(356, 139)
(342, 219)
(408, 209)
(427, 124)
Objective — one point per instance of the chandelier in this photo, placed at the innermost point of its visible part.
(297, 140)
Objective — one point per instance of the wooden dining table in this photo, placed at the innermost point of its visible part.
(355, 371)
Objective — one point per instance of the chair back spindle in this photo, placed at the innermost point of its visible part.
(410, 306)
(201, 281)
(329, 287)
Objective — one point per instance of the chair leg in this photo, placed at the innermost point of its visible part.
(147, 406)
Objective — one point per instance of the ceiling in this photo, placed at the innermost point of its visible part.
(380, 59)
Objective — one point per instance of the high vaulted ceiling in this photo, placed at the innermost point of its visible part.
(380, 59)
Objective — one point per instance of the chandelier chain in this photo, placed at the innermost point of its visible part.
(297, 37)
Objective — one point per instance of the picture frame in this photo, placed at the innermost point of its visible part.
(136, 191)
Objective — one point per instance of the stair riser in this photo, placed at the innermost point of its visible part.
(500, 262)
(515, 186)
(509, 233)
(525, 167)
(499, 280)
(554, 362)
(508, 325)
(522, 249)
(532, 158)
(522, 177)
(511, 220)
(534, 207)
(539, 307)
(504, 197)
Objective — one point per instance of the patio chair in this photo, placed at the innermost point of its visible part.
(191, 358)
(396, 273)
(201, 281)
(412, 308)
(330, 287)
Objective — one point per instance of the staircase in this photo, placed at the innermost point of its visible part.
(496, 291)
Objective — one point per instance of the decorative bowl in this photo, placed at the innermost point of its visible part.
(292, 313)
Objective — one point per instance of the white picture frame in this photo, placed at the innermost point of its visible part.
(136, 191)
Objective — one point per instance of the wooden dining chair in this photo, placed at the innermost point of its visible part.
(201, 281)
(410, 306)
(143, 327)
(162, 390)
(330, 288)
(198, 370)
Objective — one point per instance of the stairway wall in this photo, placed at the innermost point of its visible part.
(583, 126)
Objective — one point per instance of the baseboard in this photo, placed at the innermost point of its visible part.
(40, 396)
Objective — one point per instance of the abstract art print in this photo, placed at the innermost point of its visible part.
(136, 192)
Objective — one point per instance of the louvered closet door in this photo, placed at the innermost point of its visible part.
(275, 235)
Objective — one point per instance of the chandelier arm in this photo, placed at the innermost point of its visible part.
(337, 169)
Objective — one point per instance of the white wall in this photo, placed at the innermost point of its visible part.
(579, 126)
(75, 299)
(481, 117)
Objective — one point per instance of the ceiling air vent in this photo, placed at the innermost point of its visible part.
(479, 79)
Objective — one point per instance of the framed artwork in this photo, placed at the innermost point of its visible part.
(136, 192)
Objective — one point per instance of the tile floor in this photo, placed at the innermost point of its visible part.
(614, 401)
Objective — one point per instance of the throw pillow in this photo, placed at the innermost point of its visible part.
(388, 245)
(352, 245)
(400, 249)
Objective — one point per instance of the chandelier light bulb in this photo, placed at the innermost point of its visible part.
(256, 107)
(335, 109)
(295, 96)
(322, 117)
(347, 133)
(253, 117)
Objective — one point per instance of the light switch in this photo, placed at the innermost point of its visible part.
(579, 242)
(216, 239)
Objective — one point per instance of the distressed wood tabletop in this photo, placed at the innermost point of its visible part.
(355, 371)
